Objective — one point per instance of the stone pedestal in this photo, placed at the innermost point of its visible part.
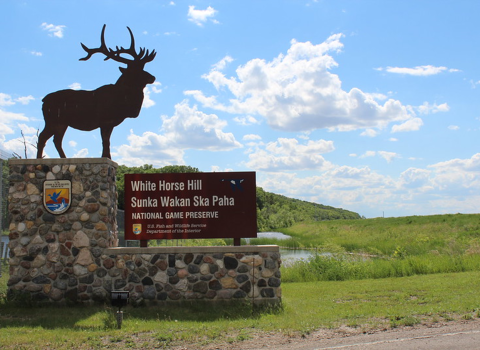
(52, 254)
(73, 257)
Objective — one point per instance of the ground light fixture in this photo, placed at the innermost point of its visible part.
(119, 298)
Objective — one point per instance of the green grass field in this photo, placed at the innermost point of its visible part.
(404, 271)
(413, 235)
(381, 248)
(367, 304)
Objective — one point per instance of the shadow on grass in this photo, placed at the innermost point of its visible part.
(22, 310)
(24, 313)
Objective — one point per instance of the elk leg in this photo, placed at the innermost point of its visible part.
(42, 140)
(57, 140)
(106, 132)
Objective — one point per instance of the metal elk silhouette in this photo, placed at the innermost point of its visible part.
(105, 107)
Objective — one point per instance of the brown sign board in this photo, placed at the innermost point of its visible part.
(190, 206)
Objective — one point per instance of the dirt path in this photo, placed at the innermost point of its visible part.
(451, 335)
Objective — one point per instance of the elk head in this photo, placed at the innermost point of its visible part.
(133, 76)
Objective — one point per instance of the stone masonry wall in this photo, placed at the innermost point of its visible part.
(72, 257)
(50, 255)
(179, 273)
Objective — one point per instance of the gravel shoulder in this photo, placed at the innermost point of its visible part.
(442, 335)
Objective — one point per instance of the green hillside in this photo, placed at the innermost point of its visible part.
(273, 211)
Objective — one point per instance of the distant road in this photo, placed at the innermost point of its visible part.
(463, 335)
(452, 335)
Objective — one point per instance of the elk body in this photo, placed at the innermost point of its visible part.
(105, 107)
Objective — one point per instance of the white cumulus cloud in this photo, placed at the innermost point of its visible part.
(54, 30)
(418, 70)
(188, 128)
(252, 137)
(155, 88)
(6, 100)
(83, 153)
(427, 108)
(25, 100)
(8, 120)
(191, 128)
(413, 124)
(369, 133)
(75, 86)
(388, 156)
(246, 120)
(289, 154)
(200, 17)
(27, 130)
(297, 91)
(415, 178)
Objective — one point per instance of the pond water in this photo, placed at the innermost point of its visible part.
(288, 255)
(296, 254)
(277, 235)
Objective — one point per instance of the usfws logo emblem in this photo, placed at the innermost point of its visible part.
(57, 196)
(137, 229)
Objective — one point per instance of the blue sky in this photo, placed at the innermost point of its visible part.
(371, 106)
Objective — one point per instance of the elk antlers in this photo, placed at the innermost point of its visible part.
(142, 57)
